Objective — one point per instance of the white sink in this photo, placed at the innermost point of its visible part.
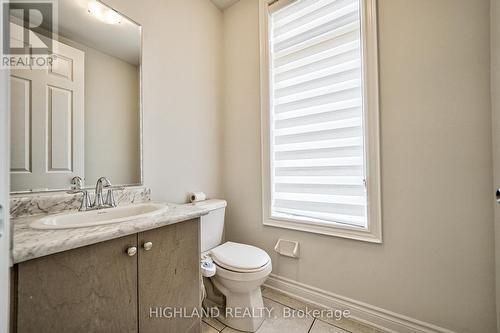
(99, 217)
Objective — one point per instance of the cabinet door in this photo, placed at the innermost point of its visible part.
(89, 289)
(169, 278)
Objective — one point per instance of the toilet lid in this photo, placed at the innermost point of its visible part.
(239, 257)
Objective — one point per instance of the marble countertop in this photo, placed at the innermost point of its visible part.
(29, 243)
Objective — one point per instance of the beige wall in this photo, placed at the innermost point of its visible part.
(112, 142)
(495, 99)
(182, 52)
(437, 262)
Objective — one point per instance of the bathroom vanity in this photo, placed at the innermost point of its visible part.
(123, 277)
(73, 122)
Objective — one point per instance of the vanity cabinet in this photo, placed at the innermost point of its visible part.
(169, 276)
(89, 289)
(106, 287)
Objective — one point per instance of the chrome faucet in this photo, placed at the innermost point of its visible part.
(77, 187)
(102, 183)
(99, 202)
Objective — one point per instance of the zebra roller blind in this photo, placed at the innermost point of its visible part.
(316, 100)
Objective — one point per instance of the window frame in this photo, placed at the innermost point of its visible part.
(373, 232)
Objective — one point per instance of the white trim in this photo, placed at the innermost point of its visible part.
(362, 312)
(372, 137)
(5, 241)
(495, 106)
(373, 232)
(275, 5)
(337, 230)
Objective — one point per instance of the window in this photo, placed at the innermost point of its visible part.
(320, 117)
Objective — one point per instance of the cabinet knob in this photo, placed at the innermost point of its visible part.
(147, 246)
(131, 251)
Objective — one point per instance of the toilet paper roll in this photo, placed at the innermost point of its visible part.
(197, 196)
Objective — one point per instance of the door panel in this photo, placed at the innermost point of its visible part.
(59, 129)
(48, 127)
(169, 276)
(89, 289)
(62, 66)
(20, 140)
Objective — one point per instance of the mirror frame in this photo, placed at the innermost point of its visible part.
(141, 121)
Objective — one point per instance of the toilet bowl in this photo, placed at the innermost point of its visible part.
(240, 271)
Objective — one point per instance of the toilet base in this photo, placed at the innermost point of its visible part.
(243, 311)
(238, 297)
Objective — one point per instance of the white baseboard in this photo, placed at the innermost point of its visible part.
(365, 313)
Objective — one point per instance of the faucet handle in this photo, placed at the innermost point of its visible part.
(76, 183)
(85, 199)
(110, 198)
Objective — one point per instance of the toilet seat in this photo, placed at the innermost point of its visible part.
(244, 277)
(240, 258)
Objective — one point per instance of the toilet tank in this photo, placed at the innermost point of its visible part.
(212, 224)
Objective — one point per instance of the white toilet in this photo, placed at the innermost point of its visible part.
(240, 270)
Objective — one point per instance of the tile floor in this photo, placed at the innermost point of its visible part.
(299, 324)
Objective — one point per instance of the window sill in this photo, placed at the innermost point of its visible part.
(335, 230)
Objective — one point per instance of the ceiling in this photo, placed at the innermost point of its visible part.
(75, 23)
(223, 4)
(121, 40)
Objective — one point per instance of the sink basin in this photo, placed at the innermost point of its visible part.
(99, 217)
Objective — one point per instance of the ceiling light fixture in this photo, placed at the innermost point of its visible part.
(104, 13)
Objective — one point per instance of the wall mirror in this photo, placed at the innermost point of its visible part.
(80, 116)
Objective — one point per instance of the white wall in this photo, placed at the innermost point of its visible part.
(437, 260)
(182, 54)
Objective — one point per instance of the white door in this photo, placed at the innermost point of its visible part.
(4, 196)
(47, 123)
